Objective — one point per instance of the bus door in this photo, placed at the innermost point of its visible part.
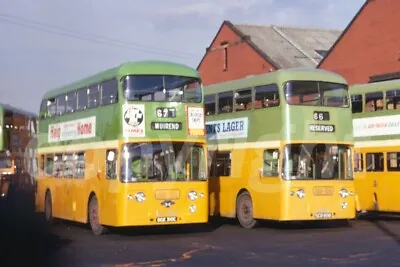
(269, 188)
(68, 161)
(60, 188)
(377, 177)
(109, 185)
(84, 168)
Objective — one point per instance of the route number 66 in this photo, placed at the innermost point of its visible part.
(320, 116)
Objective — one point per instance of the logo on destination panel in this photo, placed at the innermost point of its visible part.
(133, 116)
(134, 120)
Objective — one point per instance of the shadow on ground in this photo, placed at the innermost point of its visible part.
(25, 240)
(380, 220)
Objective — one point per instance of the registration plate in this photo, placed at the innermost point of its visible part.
(166, 219)
(323, 215)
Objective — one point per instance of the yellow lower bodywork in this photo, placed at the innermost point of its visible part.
(274, 198)
(118, 205)
(377, 190)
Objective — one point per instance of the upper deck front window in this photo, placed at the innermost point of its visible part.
(162, 88)
(316, 93)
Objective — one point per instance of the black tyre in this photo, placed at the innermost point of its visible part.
(244, 211)
(93, 215)
(48, 208)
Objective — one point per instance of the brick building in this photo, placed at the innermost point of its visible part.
(369, 47)
(239, 50)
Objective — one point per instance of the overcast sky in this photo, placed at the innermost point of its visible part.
(46, 43)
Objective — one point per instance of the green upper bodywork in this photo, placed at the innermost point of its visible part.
(389, 127)
(285, 122)
(109, 118)
(138, 68)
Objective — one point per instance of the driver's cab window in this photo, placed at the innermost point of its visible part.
(111, 164)
(271, 163)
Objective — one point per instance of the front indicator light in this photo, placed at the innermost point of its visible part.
(192, 208)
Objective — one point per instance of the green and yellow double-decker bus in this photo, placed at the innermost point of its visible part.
(18, 143)
(280, 147)
(125, 147)
(376, 131)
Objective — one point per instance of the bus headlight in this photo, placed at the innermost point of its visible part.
(140, 197)
(344, 193)
(192, 195)
(300, 193)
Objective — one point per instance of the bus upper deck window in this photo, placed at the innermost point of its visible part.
(373, 101)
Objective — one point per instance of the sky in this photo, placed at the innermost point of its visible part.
(46, 44)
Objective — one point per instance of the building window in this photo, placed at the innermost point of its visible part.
(322, 53)
(225, 58)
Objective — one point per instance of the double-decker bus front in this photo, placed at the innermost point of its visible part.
(162, 161)
(317, 151)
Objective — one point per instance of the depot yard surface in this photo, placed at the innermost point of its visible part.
(26, 241)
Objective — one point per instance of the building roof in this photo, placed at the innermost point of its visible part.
(286, 47)
(16, 110)
(290, 47)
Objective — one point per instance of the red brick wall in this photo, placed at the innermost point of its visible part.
(243, 60)
(371, 46)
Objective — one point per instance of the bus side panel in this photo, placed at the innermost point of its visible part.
(265, 191)
(109, 188)
(364, 188)
(95, 183)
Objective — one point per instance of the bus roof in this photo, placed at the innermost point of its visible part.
(137, 67)
(274, 77)
(19, 111)
(374, 87)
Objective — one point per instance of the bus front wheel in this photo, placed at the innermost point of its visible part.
(244, 211)
(94, 221)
